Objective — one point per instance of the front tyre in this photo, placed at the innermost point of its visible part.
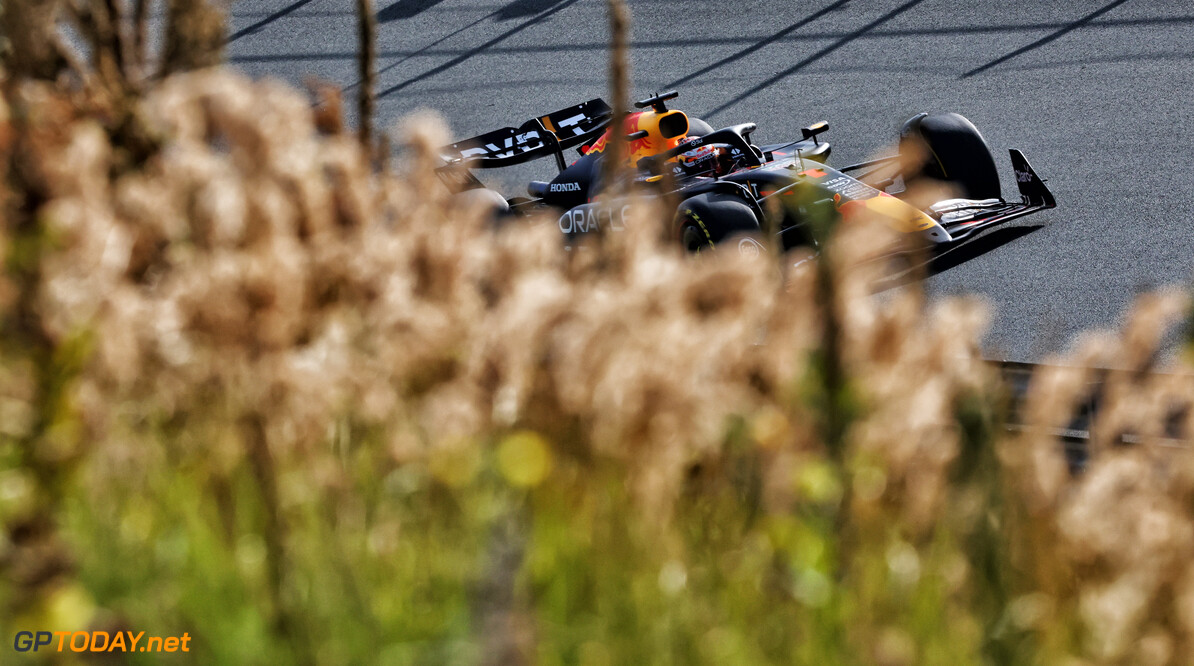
(948, 147)
(708, 219)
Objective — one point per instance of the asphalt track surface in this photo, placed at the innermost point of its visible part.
(1099, 94)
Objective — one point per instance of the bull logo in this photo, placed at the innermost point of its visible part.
(653, 143)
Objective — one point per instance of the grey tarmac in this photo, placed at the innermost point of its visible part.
(1098, 94)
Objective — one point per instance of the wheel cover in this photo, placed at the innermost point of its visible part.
(693, 238)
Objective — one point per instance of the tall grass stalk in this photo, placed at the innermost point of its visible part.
(367, 61)
(254, 390)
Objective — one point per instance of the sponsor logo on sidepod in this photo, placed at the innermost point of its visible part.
(591, 218)
(750, 248)
(565, 187)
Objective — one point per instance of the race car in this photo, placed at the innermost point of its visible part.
(723, 181)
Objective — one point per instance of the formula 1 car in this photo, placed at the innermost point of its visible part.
(723, 181)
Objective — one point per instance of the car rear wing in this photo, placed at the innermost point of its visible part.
(537, 138)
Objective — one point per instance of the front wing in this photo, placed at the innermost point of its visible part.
(962, 218)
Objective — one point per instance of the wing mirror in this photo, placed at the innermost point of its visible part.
(813, 130)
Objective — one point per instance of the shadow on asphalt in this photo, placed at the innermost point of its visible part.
(558, 6)
(423, 49)
(267, 20)
(1045, 40)
(818, 55)
(757, 45)
(786, 36)
(521, 8)
(404, 9)
(958, 256)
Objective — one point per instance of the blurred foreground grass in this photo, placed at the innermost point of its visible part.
(310, 411)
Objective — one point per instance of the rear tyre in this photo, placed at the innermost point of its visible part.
(698, 127)
(708, 219)
(494, 205)
(948, 147)
(482, 197)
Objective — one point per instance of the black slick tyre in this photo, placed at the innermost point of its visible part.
(948, 147)
(494, 205)
(705, 220)
(698, 127)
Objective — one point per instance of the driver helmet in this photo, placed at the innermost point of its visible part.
(705, 160)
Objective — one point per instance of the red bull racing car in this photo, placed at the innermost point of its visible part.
(723, 181)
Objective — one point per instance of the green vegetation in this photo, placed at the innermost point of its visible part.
(255, 388)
